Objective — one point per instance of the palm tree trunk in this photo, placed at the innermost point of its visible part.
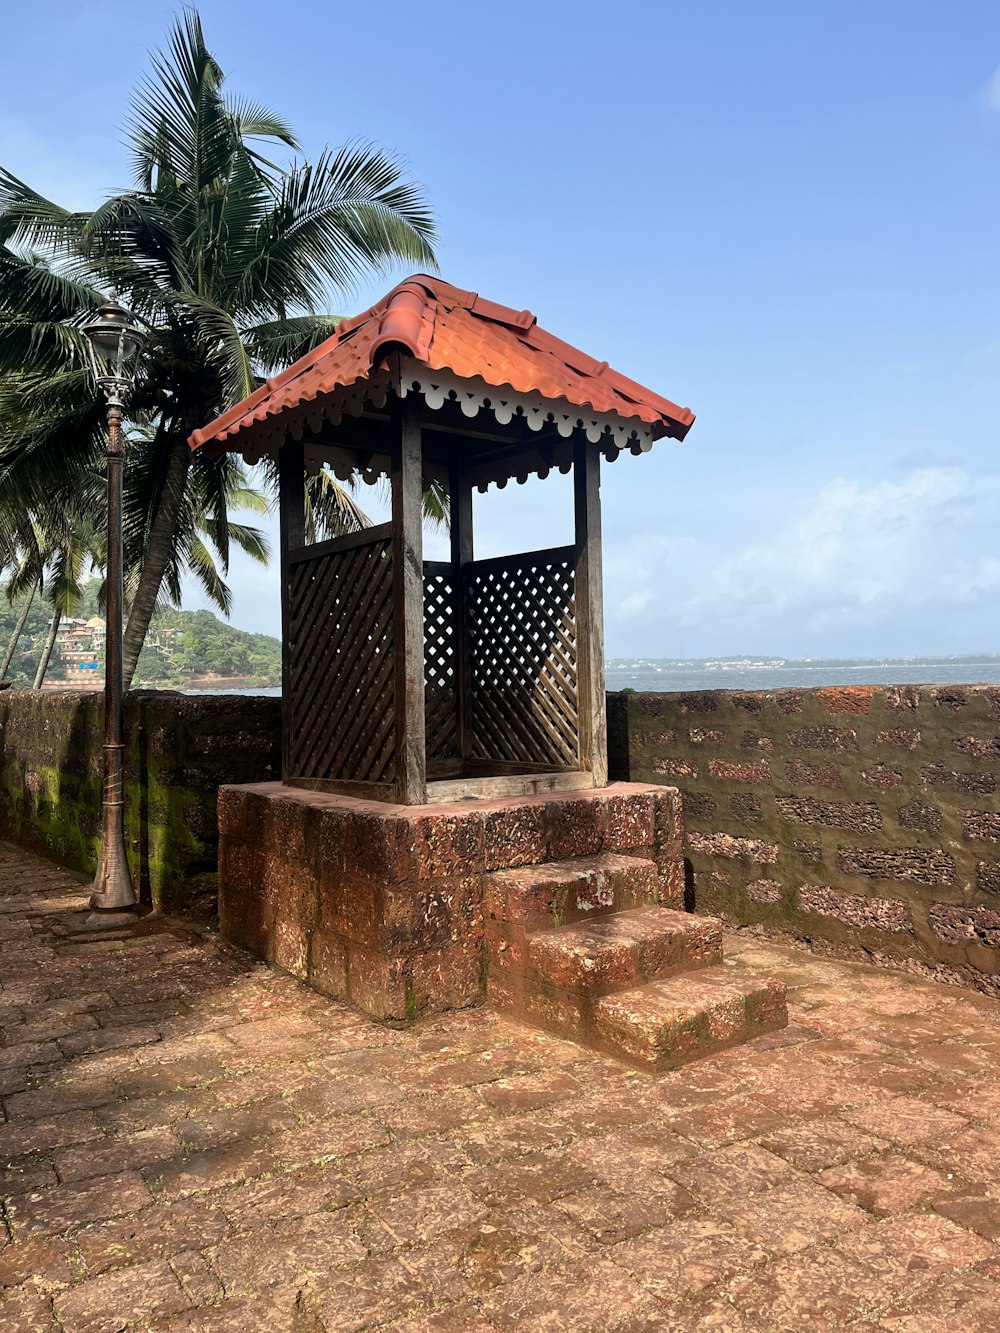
(22, 620)
(157, 555)
(43, 662)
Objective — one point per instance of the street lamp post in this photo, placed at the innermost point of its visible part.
(114, 343)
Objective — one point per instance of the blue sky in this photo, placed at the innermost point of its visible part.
(783, 215)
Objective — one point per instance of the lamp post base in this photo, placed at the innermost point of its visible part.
(110, 918)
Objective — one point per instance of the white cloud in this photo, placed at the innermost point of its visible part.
(858, 566)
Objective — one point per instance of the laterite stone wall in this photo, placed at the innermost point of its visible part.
(179, 750)
(868, 818)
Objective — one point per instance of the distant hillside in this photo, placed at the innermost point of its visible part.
(182, 647)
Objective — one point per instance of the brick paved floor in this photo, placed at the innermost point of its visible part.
(195, 1142)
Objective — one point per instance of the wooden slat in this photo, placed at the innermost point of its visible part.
(351, 717)
(441, 633)
(363, 589)
(335, 670)
(341, 696)
(523, 633)
(367, 537)
(555, 555)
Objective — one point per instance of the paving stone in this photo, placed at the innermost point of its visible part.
(595, 1296)
(816, 1144)
(435, 1113)
(421, 1213)
(907, 1120)
(975, 1207)
(528, 1092)
(790, 1217)
(369, 1293)
(471, 1174)
(129, 1117)
(815, 1289)
(542, 1176)
(285, 1195)
(104, 1157)
(727, 1122)
(26, 1310)
(684, 1258)
(511, 1137)
(42, 1262)
(53, 1101)
(293, 1250)
(401, 1165)
(344, 1096)
(160, 1229)
(964, 1304)
(611, 1217)
(326, 1139)
(885, 1183)
(458, 1318)
(279, 1310)
(52, 1131)
(631, 1157)
(108, 1303)
(906, 1251)
(181, 1176)
(200, 1284)
(198, 1133)
(742, 1170)
(972, 1154)
(65, 1207)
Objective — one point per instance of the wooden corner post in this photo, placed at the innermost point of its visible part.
(292, 536)
(590, 611)
(408, 600)
(460, 515)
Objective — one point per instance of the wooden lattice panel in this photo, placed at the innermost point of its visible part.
(522, 626)
(440, 663)
(341, 684)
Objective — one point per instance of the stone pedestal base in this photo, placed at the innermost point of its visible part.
(383, 905)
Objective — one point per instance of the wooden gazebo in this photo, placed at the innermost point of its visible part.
(413, 681)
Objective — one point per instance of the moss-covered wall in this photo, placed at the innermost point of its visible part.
(867, 818)
(179, 750)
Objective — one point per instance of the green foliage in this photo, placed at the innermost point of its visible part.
(229, 251)
(203, 646)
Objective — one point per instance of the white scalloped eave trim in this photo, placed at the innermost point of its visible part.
(613, 432)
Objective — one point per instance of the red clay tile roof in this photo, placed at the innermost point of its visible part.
(446, 328)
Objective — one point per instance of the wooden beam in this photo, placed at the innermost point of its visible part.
(460, 502)
(590, 611)
(408, 601)
(292, 536)
(346, 543)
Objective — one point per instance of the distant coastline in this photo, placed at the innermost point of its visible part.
(665, 675)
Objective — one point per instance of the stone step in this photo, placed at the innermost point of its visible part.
(554, 977)
(611, 953)
(545, 897)
(667, 1023)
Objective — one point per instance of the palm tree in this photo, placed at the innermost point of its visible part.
(71, 551)
(23, 556)
(226, 257)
